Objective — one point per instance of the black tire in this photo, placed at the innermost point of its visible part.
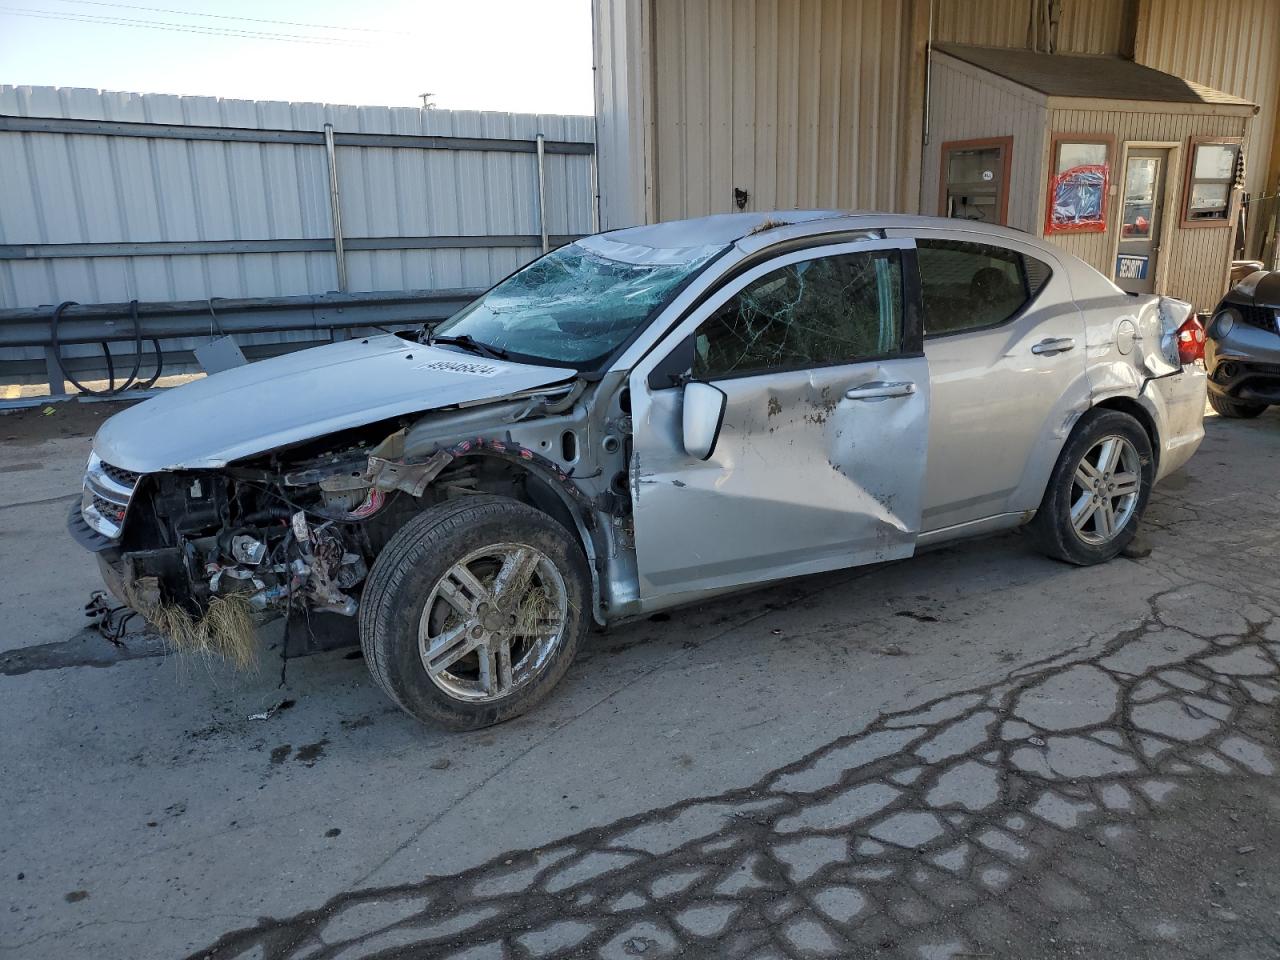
(1234, 409)
(1051, 529)
(407, 571)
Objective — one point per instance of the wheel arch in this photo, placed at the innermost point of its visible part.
(546, 489)
(1135, 409)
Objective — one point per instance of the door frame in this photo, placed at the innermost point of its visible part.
(1171, 176)
(687, 322)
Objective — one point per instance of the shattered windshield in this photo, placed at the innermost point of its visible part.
(573, 306)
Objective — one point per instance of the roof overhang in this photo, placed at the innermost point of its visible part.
(1093, 82)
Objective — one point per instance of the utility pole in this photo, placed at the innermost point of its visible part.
(426, 101)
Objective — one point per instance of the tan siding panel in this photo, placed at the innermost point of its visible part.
(995, 23)
(1087, 26)
(1194, 261)
(967, 105)
(1095, 26)
(621, 80)
(798, 102)
(1232, 47)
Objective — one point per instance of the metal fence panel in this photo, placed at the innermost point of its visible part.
(111, 188)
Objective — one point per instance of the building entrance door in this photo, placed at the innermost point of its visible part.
(1142, 219)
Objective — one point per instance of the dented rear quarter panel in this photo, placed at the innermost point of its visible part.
(1126, 360)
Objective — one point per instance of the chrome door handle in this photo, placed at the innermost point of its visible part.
(1054, 345)
(880, 390)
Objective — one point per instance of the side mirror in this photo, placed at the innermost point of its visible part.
(703, 416)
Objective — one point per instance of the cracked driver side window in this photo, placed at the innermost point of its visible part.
(838, 309)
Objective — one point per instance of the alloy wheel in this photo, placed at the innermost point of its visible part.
(1104, 490)
(492, 621)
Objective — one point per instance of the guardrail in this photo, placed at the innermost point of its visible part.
(331, 316)
(267, 202)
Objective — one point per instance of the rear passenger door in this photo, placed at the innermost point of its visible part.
(1006, 351)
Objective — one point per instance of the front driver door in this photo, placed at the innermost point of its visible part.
(820, 459)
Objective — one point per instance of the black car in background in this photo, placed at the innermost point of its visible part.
(1242, 350)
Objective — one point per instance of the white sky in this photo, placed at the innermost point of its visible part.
(519, 55)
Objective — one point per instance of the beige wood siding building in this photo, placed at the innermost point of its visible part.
(1194, 263)
(820, 103)
(979, 94)
(968, 103)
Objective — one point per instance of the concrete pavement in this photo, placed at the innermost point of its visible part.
(978, 752)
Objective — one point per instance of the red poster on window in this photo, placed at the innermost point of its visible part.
(1078, 200)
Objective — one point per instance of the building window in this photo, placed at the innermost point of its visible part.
(1213, 170)
(975, 179)
(1078, 184)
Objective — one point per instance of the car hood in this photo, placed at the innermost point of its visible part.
(303, 395)
(1259, 289)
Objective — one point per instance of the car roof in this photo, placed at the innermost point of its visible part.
(699, 239)
(720, 229)
(756, 231)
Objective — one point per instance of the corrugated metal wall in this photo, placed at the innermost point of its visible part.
(969, 104)
(75, 188)
(1195, 261)
(1230, 46)
(622, 96)
(815, 102)
(797, 103)
(1086, 26)
(808, 103)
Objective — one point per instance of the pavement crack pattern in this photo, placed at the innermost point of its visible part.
(913, 837)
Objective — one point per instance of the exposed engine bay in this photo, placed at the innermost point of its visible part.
(299, 527)
(272, 533)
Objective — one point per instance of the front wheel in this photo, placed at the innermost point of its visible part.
(474, 611)
(1098, 490)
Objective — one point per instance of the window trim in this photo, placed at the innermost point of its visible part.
(1005, 144)
(1189, 181)
(1012, 318)
(1107, 140)
(911, 346)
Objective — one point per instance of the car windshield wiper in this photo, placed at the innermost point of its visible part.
(468, 342)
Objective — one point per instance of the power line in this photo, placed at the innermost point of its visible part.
(180, 27)
(177, 27)
(225, 16)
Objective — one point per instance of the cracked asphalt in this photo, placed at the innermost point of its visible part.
(975, 753)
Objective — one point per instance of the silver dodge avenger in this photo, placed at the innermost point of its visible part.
(642, 419)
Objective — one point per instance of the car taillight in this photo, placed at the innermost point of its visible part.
(1191, 341)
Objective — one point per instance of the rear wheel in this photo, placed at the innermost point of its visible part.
(474, 611)
(1234, 409)
(1098, 490)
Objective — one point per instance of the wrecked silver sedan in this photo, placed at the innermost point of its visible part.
(641, 419)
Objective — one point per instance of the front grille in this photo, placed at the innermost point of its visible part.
(1264, 318)
(107, 492)
(126, 478)
(110, 511)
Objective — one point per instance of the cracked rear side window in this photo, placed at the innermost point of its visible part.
(814, 313)
(572, 306)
